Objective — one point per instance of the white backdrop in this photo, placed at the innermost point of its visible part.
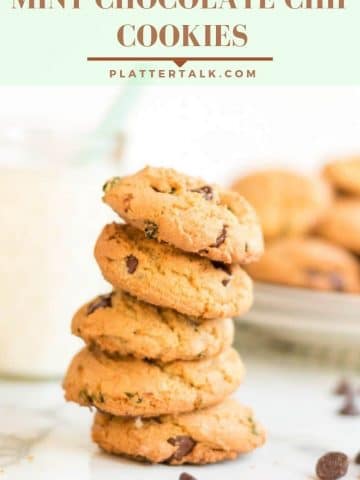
(210, 131)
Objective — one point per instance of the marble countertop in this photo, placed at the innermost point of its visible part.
(43, 438)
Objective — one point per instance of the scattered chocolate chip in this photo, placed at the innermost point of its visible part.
(332, 466)
(350, 408)
(186, 476)
(357, 459)
(221, 238)
(343, 387)
(206, 191)
(131, 263)
(184, 446)
(103, 301)
(150, 229)
(336, 282)
(226, 281)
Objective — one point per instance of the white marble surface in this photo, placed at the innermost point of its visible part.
(42, 438)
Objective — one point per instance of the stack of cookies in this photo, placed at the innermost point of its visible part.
(158, 363)
(311, 226)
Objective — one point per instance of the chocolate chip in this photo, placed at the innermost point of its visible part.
(184, 446)
(336, 282)
(332, 466)
(343, 387)
(171, 191)
(349, 408)
(206, 191)
(222, 266)
(357, 459)
(186, 476)
(226, 281)
(335, 279)
(103, 301)
(131, 263)
(150, 229)
(85, 397)
(221, 238)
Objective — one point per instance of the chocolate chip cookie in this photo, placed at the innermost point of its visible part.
(287, 203)
(341, 225)
(310, 263)
(131, 387)
(211, 435)
(119, 324)
(187, 213)
(163, 275)
(344, 175)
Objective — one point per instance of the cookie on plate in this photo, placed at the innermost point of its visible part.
(187, 213)
(344, 175)
(287, 203)
(119, 324)
(341, 225)
(130, 387)
(206, 436)
(310, 263)
(163, 275)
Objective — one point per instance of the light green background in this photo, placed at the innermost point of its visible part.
(50, 47)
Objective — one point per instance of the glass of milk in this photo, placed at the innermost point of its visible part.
(50, 216)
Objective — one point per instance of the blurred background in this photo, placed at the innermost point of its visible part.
(59, 145)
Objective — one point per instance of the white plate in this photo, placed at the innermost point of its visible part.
(307, 317)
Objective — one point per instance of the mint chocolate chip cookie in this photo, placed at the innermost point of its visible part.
(211, 435)
(287, 203)
(341, 225)
(163, 275)
(309, 263)
(187, 213)
(131, 387)
(121, 325)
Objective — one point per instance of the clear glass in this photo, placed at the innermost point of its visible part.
(50, 215)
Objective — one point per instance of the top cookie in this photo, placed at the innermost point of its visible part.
(287, 203)
(344, 174)
(163, 275)
(310, 263)
(187, 213)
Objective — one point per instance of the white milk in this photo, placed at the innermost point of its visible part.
(50, 217)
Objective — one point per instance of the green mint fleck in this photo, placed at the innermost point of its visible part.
(151, 229)
(111, 183)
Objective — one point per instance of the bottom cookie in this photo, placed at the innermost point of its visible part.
(206, 436)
